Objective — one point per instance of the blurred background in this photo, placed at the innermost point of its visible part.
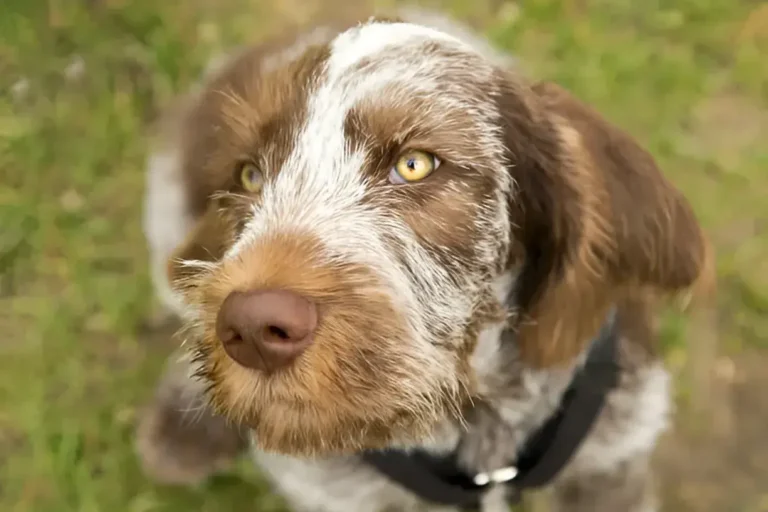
(81, 82)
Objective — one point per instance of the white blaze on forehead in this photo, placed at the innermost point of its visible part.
(322, 154)
(356, 44)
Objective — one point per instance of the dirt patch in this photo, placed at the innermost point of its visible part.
(716, 458)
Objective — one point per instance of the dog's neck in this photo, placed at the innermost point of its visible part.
(510, 402)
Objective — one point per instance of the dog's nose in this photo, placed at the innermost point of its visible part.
(266, 329)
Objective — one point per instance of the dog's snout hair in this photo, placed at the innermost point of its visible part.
(539, 216)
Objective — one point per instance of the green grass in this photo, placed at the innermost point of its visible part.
(690, 82)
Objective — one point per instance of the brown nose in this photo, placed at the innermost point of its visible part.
(266, 329)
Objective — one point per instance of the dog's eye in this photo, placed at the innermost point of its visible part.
(413, 166)
(250, 177)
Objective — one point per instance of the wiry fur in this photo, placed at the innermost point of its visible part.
(454, 311)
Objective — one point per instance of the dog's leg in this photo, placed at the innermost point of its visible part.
(179, 440)
(628, 488)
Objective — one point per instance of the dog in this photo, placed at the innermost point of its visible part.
(382, 239)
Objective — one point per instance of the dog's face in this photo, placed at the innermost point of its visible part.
(358, 199)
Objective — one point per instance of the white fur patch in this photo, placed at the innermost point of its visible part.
(485, 358)
(354, 45)
(638, 415)
(166, 221)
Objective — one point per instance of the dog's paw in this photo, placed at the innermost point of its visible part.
(179, 440)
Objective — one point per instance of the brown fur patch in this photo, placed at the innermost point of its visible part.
(236, 114)
(598, 221)
(444, 218)
(443, 208)
(656, 232)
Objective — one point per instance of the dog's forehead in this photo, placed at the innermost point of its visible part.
(367, 58)
(383, 64)
(312, 82)
(369, 40)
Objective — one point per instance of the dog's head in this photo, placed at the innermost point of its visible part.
(359, 200)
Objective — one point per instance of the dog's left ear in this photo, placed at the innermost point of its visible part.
(594, 221)
(207, 241)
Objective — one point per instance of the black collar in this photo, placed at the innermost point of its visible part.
(440, 479)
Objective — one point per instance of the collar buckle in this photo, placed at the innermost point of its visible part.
(498, 476)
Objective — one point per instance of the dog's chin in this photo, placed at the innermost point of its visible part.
(286, 417)
(302, 432)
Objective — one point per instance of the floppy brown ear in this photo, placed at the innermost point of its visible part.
(595, 221)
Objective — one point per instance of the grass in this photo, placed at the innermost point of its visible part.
(79, 83)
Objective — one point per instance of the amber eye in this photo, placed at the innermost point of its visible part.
(251, 177)
(413, 166)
